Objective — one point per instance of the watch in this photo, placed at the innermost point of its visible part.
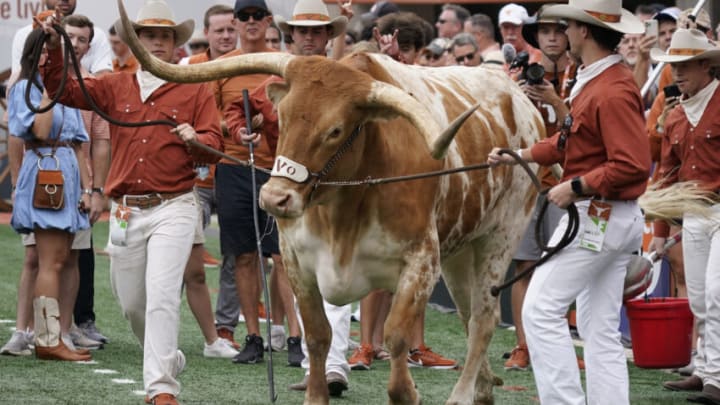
(87, 191)
(576, 185)
(100, 190)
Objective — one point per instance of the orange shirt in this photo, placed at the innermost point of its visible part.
(199, 58)
(131, 65)
(228, 91)
(611, 154)
(691, 153)
(145, 159)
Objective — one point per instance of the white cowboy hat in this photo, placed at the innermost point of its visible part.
(157, 13)
(312, 13)
(603, 13)
(687, 45)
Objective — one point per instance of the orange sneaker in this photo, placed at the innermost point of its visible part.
(362, 357)
(208, 260)
(519, 359)
(425, 357)
(227, 334)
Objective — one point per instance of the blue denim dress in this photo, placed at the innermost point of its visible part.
(67, 126)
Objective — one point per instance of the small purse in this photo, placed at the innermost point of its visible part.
(49, 193)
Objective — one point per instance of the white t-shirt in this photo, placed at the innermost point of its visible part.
(98, 58)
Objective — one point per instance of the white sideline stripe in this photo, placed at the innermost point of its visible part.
(91, 362)
(123, 381)
(7, 321)
(139, 393)
(104, 371)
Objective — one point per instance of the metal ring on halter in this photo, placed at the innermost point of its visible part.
(48, 155)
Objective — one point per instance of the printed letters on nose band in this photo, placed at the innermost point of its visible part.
(290, 169)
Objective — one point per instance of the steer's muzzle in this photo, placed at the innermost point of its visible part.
(280, 200)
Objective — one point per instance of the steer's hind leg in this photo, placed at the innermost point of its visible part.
(470, 280)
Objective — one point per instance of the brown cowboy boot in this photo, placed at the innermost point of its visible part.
(48, 345)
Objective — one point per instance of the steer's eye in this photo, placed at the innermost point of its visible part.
(335, 133)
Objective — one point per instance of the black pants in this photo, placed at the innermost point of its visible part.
(86, 292)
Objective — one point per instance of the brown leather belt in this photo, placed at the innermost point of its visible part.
(145, 201)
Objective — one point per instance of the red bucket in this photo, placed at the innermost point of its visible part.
(661, 331)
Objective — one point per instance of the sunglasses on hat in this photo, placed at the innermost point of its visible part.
(256, 15)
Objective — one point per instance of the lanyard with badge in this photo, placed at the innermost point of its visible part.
(593, 236)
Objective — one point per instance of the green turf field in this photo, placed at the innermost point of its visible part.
(116, 378)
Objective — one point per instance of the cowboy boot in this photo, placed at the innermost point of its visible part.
(48, 345)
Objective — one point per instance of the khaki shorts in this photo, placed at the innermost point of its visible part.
(80, 241)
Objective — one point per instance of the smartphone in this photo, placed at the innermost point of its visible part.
(671, 91)
(651, 27)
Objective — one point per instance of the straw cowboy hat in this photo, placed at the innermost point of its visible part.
(312, 13)
(157, 13)
(688, 45)
(530, 25)
(603, 13)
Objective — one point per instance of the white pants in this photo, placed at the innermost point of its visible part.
(595, 281)
(146, 276)
(701, 252)
(339, 319)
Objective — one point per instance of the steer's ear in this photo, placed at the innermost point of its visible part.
(276, 91)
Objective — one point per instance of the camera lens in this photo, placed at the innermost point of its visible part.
(535, 74)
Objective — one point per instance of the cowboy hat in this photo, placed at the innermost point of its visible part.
(687, 45)
(603, 13)
(312, 13)
(530, 25)
(157, 14)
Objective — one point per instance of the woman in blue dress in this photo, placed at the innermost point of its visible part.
(52, 141)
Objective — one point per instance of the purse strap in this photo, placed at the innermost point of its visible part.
(56, 141)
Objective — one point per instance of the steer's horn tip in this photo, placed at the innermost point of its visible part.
(439, 150)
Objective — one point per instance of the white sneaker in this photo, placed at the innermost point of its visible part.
(68, 341)
(221, 348)
(180, 363)
(277, 337)
(18, 345)
(80, 340)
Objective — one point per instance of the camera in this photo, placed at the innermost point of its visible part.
(671, 91)
(532, 73)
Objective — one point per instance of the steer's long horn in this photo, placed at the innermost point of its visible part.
(386, 95)
(270, 62)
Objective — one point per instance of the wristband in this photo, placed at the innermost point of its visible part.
(576, 185)
(100, 190)
(87, 191)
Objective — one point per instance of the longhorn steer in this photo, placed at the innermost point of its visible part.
(339, 243)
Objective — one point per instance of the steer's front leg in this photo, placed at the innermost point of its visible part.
(317, 336)
(411, 297)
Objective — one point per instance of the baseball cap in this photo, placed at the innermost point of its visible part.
(241, 5)
(513, 14)
(379, 9)
(438, 46)
(670, 13)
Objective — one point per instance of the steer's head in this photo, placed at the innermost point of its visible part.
(321, 105)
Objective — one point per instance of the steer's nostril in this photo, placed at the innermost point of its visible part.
(283, 200)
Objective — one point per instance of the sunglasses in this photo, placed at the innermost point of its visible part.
(256, 15)
(564, 132)
(462, 59)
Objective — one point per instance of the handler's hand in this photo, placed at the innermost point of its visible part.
(46, 24)
(185, 132)
(97, 206)
(562, 195)
(495, 158)
(346, 9)
(246, 138)
(257, 121)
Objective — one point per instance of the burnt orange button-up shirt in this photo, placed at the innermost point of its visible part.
(145, 159)
(607, 144)
(691, 153)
